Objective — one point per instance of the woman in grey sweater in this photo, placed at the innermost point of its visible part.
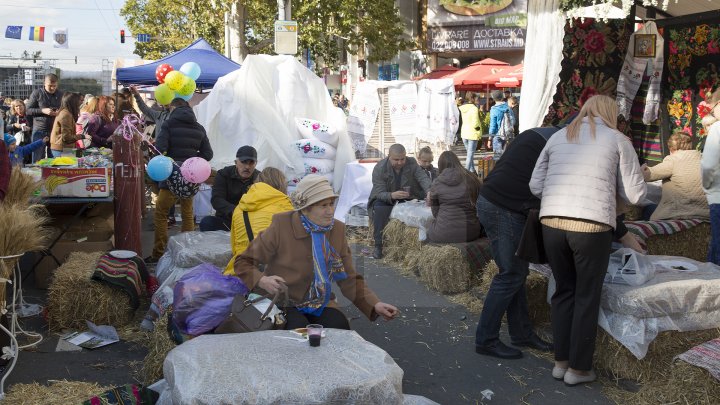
(581, 174)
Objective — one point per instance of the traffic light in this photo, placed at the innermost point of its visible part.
(122, 36)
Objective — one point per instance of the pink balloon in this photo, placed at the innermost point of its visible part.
(195, 170)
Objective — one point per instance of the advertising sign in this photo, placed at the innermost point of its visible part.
(286, 37)
(475, 25)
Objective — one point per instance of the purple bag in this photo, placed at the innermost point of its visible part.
(202, 299)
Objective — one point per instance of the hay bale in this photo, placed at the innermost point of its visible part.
(60, 392)
(633, 213)
(398, 240)
(615, 359)
(469, 301)
(73, 297)
(692, 243)
(159, 345)
(444, 268)
(682, 383)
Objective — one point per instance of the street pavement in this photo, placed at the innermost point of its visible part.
(432, 340)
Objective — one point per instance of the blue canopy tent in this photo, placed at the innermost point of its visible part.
(213, 66)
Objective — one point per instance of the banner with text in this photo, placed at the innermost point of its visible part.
(474, 38)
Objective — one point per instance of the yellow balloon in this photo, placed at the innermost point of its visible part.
(163, 94)
(175, 80)
(188, 88)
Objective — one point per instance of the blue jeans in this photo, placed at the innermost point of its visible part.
(470, 146)
(507, 290)
(714, 248)
(39, 153)
(55, 153)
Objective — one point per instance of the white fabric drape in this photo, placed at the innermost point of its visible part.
(437, 115)
(402, 100)
(364, 111)
(543, 56)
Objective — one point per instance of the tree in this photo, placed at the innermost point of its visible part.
(326, 27)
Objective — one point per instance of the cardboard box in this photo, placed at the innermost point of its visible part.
(75, 182)
(77, 241)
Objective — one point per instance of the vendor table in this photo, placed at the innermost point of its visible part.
(86, 204)
(356, 187)
(275, 367)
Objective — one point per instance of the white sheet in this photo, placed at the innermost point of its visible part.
(257, 105)
(364, 111)
(437, 115)
(402, 100)
(356, 188)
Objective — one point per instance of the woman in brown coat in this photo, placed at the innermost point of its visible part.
(63, 131)
(452, 200)
(305, 251)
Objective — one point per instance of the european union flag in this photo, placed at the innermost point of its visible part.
(13, 31)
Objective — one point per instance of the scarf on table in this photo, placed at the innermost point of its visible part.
(327, 266)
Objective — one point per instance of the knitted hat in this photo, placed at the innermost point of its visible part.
(9, 139)
(311, 189)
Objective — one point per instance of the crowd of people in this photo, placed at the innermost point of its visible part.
(579, 178)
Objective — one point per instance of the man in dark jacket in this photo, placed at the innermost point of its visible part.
(396, 178)
(43, 106)
(231, 183)
(501, 208)
(158, 117)
(181, 138)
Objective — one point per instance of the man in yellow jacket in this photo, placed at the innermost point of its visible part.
(470, 132)
(263, 200)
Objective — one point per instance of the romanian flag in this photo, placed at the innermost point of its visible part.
(37, 34)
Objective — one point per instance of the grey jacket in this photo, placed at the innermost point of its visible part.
(383, 179)
(586, 179)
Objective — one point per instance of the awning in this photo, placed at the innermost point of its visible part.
(468, 78)
(508, 77)
(438, 73)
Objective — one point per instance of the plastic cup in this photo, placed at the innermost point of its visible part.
(314, 332)
(406, 189)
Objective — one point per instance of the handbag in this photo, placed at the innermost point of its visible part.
(531, 247)
(246, 317)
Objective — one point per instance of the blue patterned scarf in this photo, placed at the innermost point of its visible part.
(327, 266)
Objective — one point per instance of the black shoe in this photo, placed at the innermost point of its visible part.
(535, 343)
(377, 253)
(499, 350)
(150, 260)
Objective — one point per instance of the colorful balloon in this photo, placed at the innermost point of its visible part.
(195, 170)
(175, 80)
(160, 168)
(187, 88)
(186, 98)
(163, 94)
(191, 69)
(162, 71)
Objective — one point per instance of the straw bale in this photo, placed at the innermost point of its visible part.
(59, 392)
(615, 359)
(680, 383)
(73, 297)
(159, 345)
(692, 243)
(473, 303)
(633, 213)
(398, 240)
(444, 268)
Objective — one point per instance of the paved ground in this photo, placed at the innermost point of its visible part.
(432, 342)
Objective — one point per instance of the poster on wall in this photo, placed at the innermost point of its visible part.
(475, 25)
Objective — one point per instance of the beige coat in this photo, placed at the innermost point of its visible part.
(287, 250)
(63, 131)
(682, 193)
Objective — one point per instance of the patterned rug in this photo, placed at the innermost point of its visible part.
(706, 355)
(646, 229)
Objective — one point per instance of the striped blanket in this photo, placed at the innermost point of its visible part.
(706, 355)
(128, 274)
(646, 229)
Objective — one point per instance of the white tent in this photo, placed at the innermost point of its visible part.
(257, 105)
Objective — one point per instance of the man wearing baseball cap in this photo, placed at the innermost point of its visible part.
(230, 184)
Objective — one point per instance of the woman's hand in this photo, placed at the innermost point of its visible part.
(387, 311)
(272, 284)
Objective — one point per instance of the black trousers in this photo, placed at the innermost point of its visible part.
(381, 217)
(579, 262)
(330, 318)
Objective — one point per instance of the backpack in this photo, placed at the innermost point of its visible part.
(507, 126)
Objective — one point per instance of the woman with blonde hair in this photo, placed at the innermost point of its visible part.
(710, 165)
(579, 177)
(254, 212)
(682, 193)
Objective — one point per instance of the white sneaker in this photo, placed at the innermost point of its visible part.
(571, 379)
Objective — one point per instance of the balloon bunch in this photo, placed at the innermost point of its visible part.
(194, 170)
(176, 83)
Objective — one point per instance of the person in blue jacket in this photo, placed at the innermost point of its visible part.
(497, 112)
(17, 153)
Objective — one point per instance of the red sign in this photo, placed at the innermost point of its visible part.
(343, 76)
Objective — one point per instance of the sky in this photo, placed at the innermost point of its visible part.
(93, 32)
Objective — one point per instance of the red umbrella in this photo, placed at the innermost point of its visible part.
(467, 79)
(438, 73)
